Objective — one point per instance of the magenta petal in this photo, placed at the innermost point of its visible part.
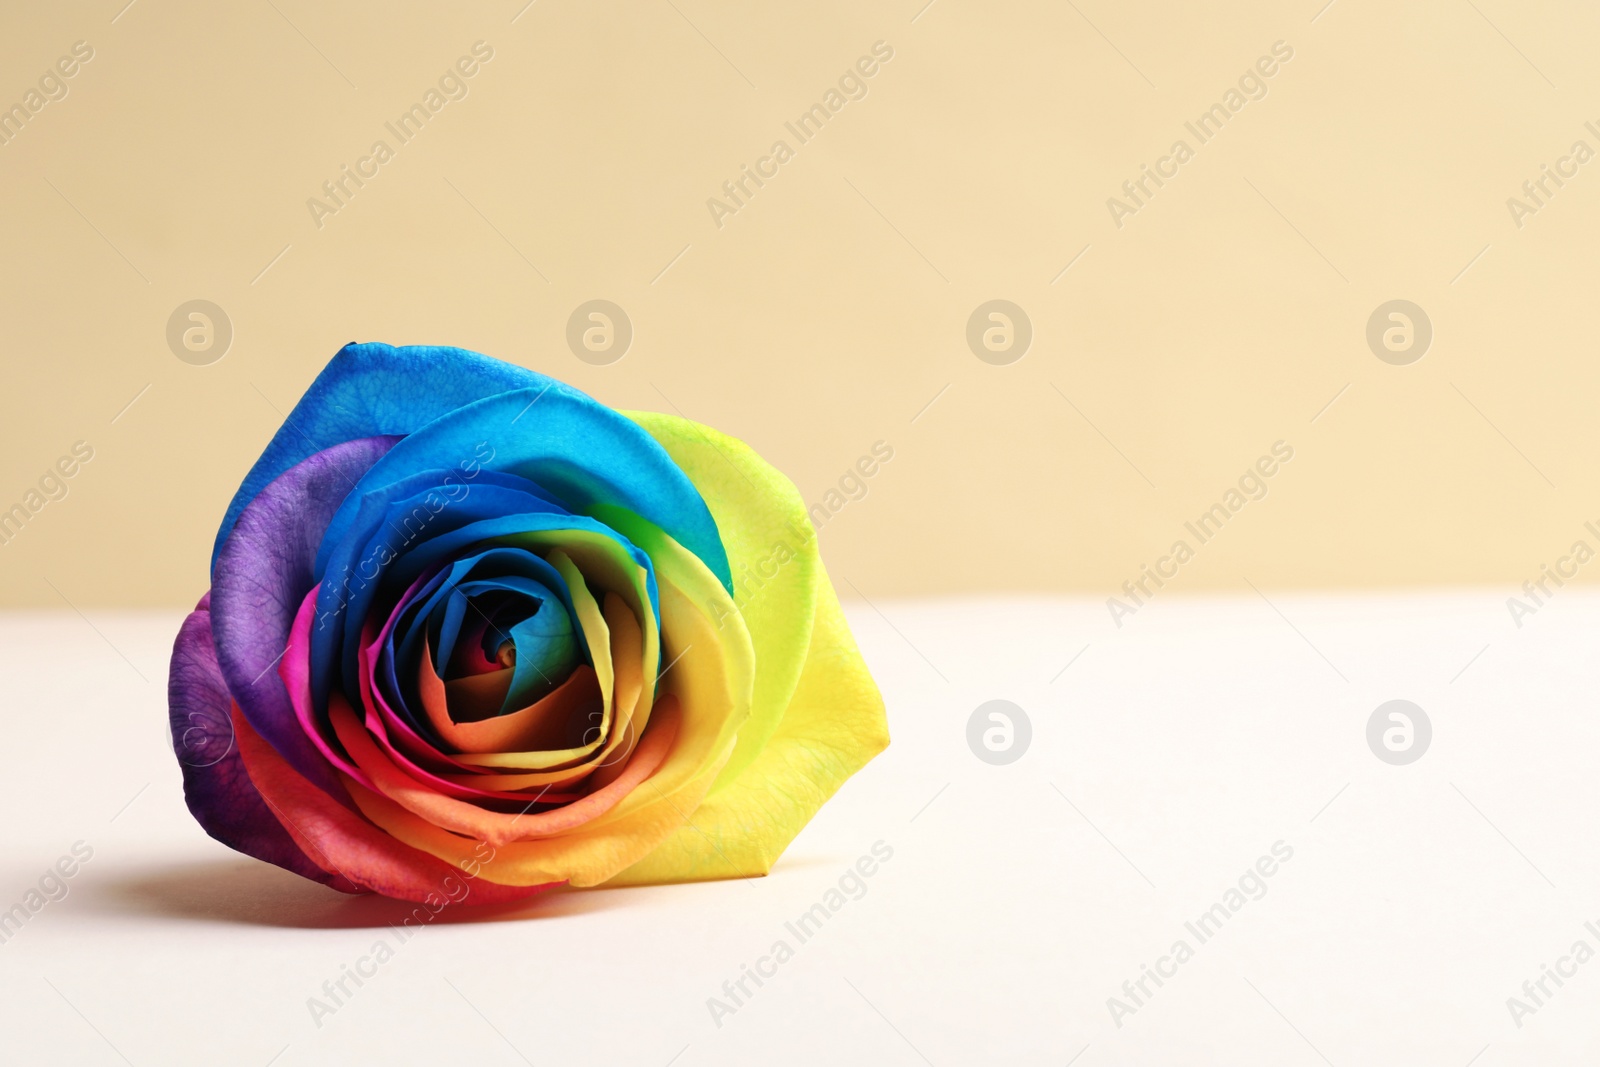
(295, 671)
(262, 574)
(219, 792)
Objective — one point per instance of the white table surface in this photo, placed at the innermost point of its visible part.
(1164, 761)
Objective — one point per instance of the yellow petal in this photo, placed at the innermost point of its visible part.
(772, 553)
(818, 717)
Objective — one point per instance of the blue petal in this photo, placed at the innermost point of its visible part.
(400, 530)
(450, 400)
(368, 390)
(580, 451)
(334, 638)
(390, 524)
(546, 653)
(435, 611)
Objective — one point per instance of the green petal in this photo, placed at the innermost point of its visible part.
(817, 716)
(772, 554)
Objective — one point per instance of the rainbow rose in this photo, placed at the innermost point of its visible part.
(466, 620)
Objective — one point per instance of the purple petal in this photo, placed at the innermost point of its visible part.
(262, 574)
(218, 789)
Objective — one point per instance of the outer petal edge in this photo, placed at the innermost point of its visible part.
(216, 786)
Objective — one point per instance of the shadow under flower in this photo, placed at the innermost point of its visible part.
(249, 892)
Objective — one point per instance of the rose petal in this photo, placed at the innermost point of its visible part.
(370, 390)
(544, 723)
(434, 824)
(294, 672)
(260, 578)
(499, 828)
(611, 565)
(770, 537)
(627, 660)
(818, 716)
(399, 531)
(712, 672)
(834, 724)
(576, 448)
(219, 792)
(339, 840)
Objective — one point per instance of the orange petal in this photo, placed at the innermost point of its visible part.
(341, 842)
(476, 696)
(593, 624)
(495, 827)
(546, 724)
(587, 857)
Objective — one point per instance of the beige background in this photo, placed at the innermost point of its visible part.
(827, 313)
